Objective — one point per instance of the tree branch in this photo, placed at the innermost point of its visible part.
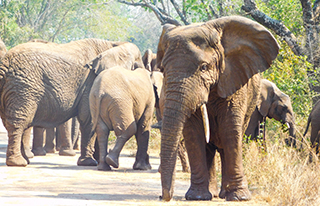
(182, 17)
(275, 25)
(160, 14)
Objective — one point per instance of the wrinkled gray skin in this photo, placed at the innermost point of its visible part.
(127, 55)
(274, 104)
(63, 131)
(122, 101)
(44, 85)
(314, 120)
(214, 63)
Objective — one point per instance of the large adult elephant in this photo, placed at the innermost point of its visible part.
(213, 67)
(273, 103)
(45, 84)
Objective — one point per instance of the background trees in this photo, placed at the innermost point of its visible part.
(295, 23)
(62, 21)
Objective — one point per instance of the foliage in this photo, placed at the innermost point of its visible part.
(287, 11)
(61, 21)
(289, 73)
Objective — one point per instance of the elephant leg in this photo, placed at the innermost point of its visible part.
(75, 134)
(315, 137)
(210, 153)
(142, 157)
(183, 156)
(102, 135)
(196, 148)
(234, 184)
(142, 137)
(37, 145)
(14, 156)
(26, 137)
(66, 148)
(50, 145)
(88, 136)
(122, 137)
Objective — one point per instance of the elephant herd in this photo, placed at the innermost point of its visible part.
(210, 93)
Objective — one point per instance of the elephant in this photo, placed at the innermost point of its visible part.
(314, 120)
(273, 103)
(127, 55)
(211, 87)
(122, 101)
(44, 85)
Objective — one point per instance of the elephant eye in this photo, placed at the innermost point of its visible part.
(204, 67)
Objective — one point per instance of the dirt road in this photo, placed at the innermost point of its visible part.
(57, 180)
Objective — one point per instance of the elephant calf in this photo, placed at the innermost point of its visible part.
(122, 101)
(273, 103)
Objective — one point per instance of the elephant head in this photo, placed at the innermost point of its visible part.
(277, 105)
(3, 49)
(127, 55)
(215, 58)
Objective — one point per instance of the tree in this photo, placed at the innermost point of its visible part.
(61, 21)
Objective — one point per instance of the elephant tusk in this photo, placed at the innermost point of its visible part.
(288, 125)
(205, 122)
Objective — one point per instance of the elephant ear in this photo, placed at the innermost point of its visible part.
(95, 64)
(146, 59)
(249, 48)
(266, 99)
(162, 45)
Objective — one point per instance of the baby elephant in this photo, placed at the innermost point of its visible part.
(314, 119)
(122, 101)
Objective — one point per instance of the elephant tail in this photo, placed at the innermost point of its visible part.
(305, 132)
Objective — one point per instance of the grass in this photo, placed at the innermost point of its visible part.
(279, 176)
(282, 175)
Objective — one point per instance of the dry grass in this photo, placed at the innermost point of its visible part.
(282, 175)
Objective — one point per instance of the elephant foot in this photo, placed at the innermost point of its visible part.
(69, 152)
(50, 150)
(236, 195)
(198, 194)
(112, 160)
(29, 154)
(104, 167)
(17, 161)
(87, 161)
(142, 164)
(39, 151)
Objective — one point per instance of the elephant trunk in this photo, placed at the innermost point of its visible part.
(171, 133)
(291, 141)
(180, 102)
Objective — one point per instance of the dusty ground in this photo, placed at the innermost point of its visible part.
(57, 180)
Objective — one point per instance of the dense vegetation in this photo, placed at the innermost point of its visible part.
(140, 22)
